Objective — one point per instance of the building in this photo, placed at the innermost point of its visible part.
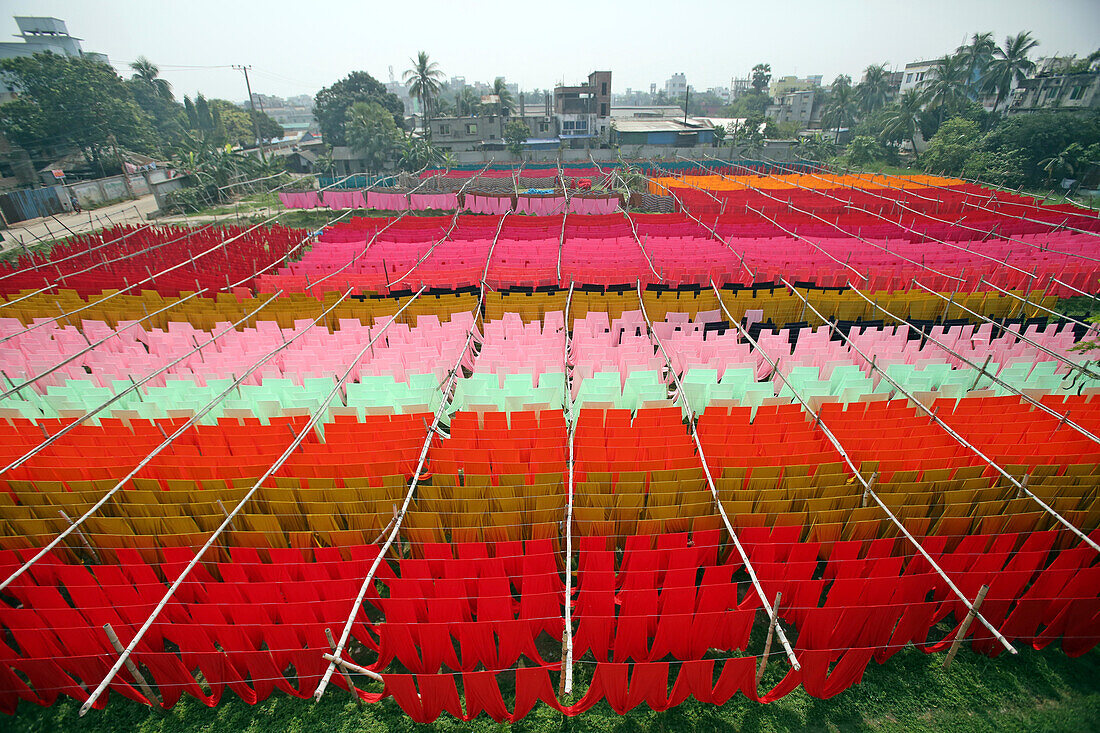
(676, 86)
(795, 107)
(583, 113)
(291, 116)
(666, 131)
(787, 84)
(914, 75)
(646, 111)
(1055, 89)
(739, 87)
(722, 93)
(39, 35)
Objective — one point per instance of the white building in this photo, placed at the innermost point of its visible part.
(914, 75)
(39, 35)
(676, 86)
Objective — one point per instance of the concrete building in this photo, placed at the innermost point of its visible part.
(38, 35)
(1048, 91)
(787, 84)
(646, 111)
(583, 112)
(676, 86)
(793, 107)
(664, 132)
(292, 117)
(739, 87)
(914, 75)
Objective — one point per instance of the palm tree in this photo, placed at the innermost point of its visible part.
(977, 55)
(467, 102)
(147, 72)
(841, 107)
(507, 101)
(874, 88)
(946, 85)
(1010, 65)
(1063, 163)
(424, 81)
(904, 119)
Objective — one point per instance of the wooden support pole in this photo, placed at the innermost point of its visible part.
(870, 487)
(344, 670)
(773, 620)
(138, 676)
(80, 534)
(222, 507)
(965, 627)
(353, 667)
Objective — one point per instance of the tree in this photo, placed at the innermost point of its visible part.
(903, 120)
(1040, 136)
(516, 133)
(761, 77)
(71, 101)
(976, 55)
(507, 101)
(1010, 65)
(372, 134)
(872, 91)
(467, 102)
(417, 153)
(952, 145)
(331, 104)
(945, 88)
(1064, 163)
(233, 125)
(147, 73)
(424, 81)
(719, 135)
(864, 150)
(840, 109)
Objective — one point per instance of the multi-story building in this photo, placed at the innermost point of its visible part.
(793, 107)
(787, 84)
(583, 112)
(38, 35)
(1066, 87)
(914, 75)
(739, 86)
(676, 86)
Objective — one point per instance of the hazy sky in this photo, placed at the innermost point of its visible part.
(299, 47)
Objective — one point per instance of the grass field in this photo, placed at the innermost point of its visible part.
(1033, 691)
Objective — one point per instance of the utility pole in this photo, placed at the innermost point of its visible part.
(252, 105)
(687, 98)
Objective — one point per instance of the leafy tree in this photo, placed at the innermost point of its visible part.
(331, 104)
(1002, 167)
(977, 55)
(424, 81)
(154, 96)
(417, 153)
(507, 101)
(516, 133)
(1009, 65)
(945, 90)
(372, 134)
(234, 125)
(840, 109)
(951, 146)
(71, 101)
(872, 91)
(719, 135)
(761, 77)
(1040, 136)
(750, 103)
(864, 150)
(1063, 164)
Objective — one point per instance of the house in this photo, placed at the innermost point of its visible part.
(1064, 84)
(670, 132)
(787, 84)
(583, 112)
(914, 75)
(795, 107)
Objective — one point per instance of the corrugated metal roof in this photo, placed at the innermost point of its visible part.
(643, 125)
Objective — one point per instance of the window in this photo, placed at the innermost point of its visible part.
(603, 110)
(1077, 92)
(908, 78)
(492, 137)
(471, 129)
(444, 129)
(544, 127)
(603, 89)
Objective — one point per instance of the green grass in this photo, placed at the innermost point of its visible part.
(1033, 691)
